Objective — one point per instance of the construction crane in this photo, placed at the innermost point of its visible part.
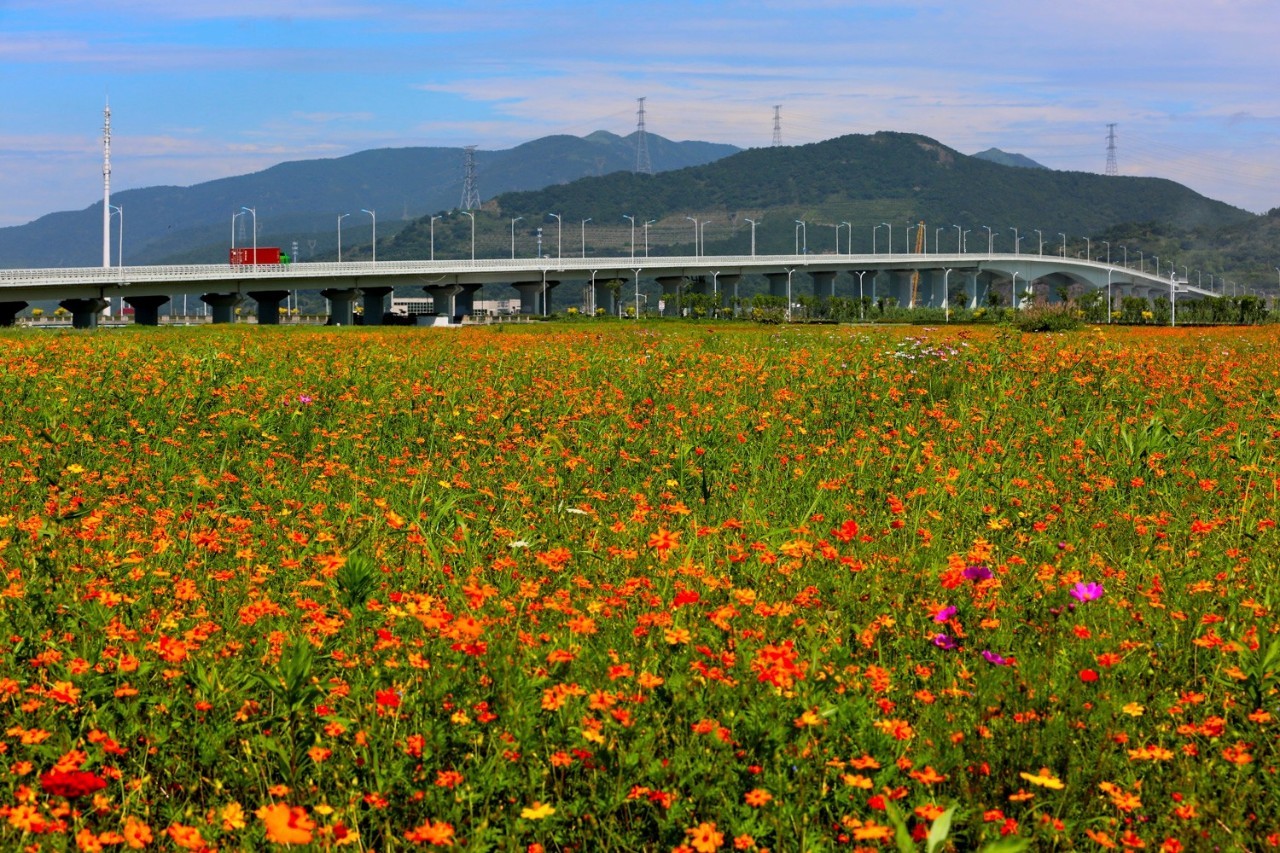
(915, 275)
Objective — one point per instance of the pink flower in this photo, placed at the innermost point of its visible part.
(1086, 591)
(944, 614)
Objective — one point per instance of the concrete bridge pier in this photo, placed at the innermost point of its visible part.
(464, 303)
(375, 304)
(146, 309)
(670, 285)
(899, 287)
(534, 296)
(697, 284)
(824, 283)
(268, 305)
(725, 284)
(777, 284)
(9, 312)
(929, 293)
(342, 301)
(221, 306)
(603, 297)
(84, 312)
(443, 298)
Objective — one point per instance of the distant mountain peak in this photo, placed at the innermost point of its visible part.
(1004, 158)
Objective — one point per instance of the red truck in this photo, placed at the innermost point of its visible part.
(266, 255)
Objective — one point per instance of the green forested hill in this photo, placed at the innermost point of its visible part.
(863, 180)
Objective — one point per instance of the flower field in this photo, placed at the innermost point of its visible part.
(606, 587)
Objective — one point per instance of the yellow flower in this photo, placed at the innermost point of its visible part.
(538, 811)
(1133, 709)
(1044, 779)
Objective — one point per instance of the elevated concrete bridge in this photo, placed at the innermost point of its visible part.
(958, 280)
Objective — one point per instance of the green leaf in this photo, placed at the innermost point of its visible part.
(901, 835)
(940, 830)
(1006, 845)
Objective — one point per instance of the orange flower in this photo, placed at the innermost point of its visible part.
(285, 824)
(704, 838)
(757, 797)
(137, 834)
(664, 540)
(438, 834)
(186, 837)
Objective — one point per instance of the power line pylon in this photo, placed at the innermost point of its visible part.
(643, 166)
(1112, 167)
(470, 192)
(777, 124)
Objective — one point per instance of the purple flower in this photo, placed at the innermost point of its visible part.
(944, 614)
(994, 659)
(943, 641)
(977, 573)
(1086, 591)
(305, 400)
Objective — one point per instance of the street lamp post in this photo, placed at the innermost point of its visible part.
(1040, 234)
(433, 236)
(802, 229)
(946, 294)
(234, 217)
(633, 256)
(696, 253)
(341, 217)
(873, 237)
(115, 208)
(861, 304)
(558, 234)
(991, 240)
(1125, 250)
(959, 240)
(646, 236)
(374, 217)
(514, 220)
(253, 212)
(837, 226)
(937, 240)
(473, 233)
(702, 239)
(1016, 242)
(1156, 258)
(1107, 243)
(890, 227)
(584, 246)
(1088, 249)
(753, 236)
(850, 227)
(1064, 243)
(964, 241)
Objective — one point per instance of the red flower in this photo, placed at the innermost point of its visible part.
(1088, 676)
(71, 783)
(388, 698)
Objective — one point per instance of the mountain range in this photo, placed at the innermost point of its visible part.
(301, 200)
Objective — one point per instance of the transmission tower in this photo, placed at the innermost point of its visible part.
(643, 166)
(470, 194)
(777, 125)
(1112, 168)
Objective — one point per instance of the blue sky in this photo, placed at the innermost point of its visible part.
(204, 90)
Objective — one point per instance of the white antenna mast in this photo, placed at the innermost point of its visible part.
(106, 185)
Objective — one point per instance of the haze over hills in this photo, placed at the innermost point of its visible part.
(301, 200)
